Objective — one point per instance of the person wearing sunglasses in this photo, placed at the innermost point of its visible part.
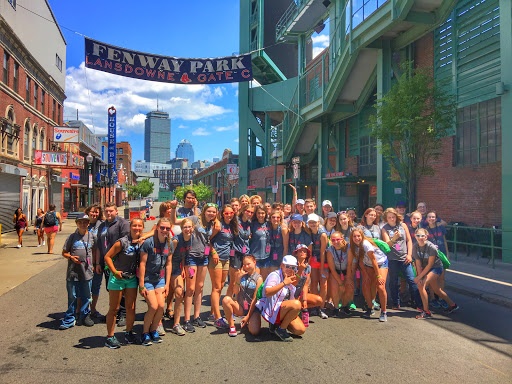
(223, 244)
(337, 258)
(240, 244)
(278, 233)
(319, 267)
(307, 299)
(260, 240)
(278, 305)
(154, 272)
(205, 227)
(430, 269)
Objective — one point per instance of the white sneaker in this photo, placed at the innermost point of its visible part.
(18, 246)
(44, 243)
(38, 245)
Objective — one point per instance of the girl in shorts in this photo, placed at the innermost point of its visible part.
(278, 234)
(121, 259)
(374, 262)
(154, 272)
(20, 223)
(259, 243)
(222, 245)
(320, 269)
(38, 226)
(337, 258)
(430, 269)
(247, 283)
(240, 244)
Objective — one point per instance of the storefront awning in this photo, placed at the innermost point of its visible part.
(12, 170)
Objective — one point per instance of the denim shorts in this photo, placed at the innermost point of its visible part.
(264, 263)
(437, 270)
(152, 285)
(176, 269)
(115, 284)
(384, 265)
(196, 261)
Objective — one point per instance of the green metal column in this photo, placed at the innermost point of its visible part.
(506, 124)
(383, 87)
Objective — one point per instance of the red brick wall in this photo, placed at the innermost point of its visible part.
(259, 177)
(470, 194)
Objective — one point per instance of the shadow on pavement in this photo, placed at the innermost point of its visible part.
(91, 342)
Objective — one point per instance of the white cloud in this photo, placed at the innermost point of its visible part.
(201, 132)
(92, 92)
(237, 140)
(320, 42)
(232, 127)
(181, 126)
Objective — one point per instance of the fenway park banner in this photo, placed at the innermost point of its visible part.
(120, 61)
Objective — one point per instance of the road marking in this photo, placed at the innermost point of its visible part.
(480, 277)
(494, 369)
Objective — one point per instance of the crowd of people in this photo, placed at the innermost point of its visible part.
(280, 262)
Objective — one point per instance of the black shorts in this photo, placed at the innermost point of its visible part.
(236, 261)
(344, 272)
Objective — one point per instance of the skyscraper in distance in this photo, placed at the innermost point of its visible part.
(157, 137)
(185, 151)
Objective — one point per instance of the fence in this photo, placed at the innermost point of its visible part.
(485, 241)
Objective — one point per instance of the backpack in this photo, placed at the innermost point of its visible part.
(50, 219)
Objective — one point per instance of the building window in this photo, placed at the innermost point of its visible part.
(34, 142)
(479, 133)
(58, 113)
(6, 68)
(16, 77)
(41, 140)
(36, 91)
(27, 90)
(58, 62)
(120, 151)
(54, 109)
(43, 95)
(367, 156)
(26, 148)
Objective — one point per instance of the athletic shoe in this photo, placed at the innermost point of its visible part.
(155, 337)
(198, 322)
(189, 327)
(178, 330)
(211, 317)
(376, 305)
(221, 323)
(129, 337)
(383, 317)
(87, 321)
(18, 246)
(352, 307)
(67, 326)
(283, 334)
(98, 317)
(44, 243)
(346, 311)
(424, 315)
(369, 313)
(434, 304)
(444, 304)
(121, 321)
(38, 245)
(145, 340)
(452, 308)
(160, 330)
(336, 313)
(112, 343)
(232, 332)
(322, 314)
(169, 314)
(272, 328)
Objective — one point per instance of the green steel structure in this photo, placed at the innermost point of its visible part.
(304, 109)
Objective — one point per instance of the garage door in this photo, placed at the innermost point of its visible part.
(9, 200)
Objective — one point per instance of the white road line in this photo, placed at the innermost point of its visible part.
(480, 277)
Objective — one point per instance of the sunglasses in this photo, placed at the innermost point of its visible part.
(420, 236)
(341, 212)
(336, 240)
(162, 228)
(208, 205)
(292, 267)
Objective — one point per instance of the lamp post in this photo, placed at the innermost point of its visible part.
(89, 160)
(275, 173)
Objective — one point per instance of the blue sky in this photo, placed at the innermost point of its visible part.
(206, 115)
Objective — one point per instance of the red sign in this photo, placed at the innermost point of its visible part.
(251, 187)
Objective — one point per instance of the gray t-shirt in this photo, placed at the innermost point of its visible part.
(83, 247)
(200, 238)
(399, 249)
(340, 258)
(260, 240)
(371, 231)
(183, 212)
(223, 241)
(423, 253)
(157, 258)
(126, 260)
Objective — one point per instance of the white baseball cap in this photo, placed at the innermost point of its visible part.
(290, 260)
(313, 217)
(326, 202)
(300, 201)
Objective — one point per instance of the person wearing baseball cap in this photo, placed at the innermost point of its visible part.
(299, 233)
(401, 208)
(278, 305)
(326, 208)
(299, 206)
(78, 249)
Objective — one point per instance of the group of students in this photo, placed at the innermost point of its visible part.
(281, 264)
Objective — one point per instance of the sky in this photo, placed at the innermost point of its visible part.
(206, 115)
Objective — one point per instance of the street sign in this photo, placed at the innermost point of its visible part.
(274, 188)
(296, 160)
(295, 171)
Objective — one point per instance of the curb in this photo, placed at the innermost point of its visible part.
(481, 295)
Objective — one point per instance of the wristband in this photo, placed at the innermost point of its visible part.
(378, 276)
(141, 289)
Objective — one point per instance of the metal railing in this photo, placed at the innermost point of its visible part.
(485, 241)
(291, 12)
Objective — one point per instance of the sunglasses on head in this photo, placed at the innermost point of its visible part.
(208, 205)
(341, 212)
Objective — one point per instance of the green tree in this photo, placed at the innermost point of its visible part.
(410, 123)
(203, 192)
(142, 189)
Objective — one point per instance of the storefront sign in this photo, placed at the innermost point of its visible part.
(65, 134)
(51, 158)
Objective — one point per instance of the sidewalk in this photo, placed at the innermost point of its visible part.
(468, 275)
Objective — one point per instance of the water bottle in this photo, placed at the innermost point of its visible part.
(305, 317)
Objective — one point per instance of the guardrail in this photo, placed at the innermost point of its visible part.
(486, 241)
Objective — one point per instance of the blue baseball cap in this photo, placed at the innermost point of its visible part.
(297, 216)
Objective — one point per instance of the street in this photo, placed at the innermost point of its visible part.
(472, 345)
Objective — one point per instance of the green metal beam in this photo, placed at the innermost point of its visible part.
(421, 17)
(344, 108)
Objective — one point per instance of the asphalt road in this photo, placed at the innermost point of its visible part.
(472, 345)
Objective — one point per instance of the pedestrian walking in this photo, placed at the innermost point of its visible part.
(38, 227)
(52, 223)
(20, 223)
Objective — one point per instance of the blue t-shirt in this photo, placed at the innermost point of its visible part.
(298, 238)
(242, 239)
(276, 243)
(436, 236)
(157, 258)
(260, 239)
(223, 241)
